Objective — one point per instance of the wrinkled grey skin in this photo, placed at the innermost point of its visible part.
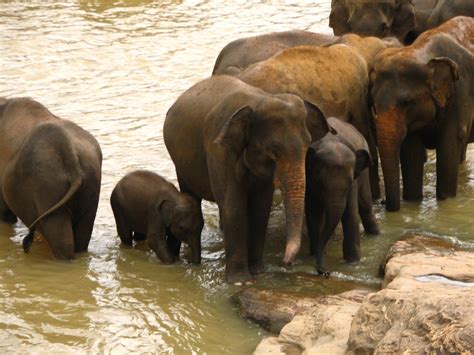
(50, 173)
(338, 189)
(239, 54)
(229, 141)
(447, 9)
(379, 18)
(146, 206)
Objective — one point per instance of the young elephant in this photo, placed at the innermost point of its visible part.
(338, 188)
(151, 208)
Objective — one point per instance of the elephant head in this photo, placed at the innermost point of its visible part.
(270, 135)
(379, 18)
(407, 95)
(184, 222)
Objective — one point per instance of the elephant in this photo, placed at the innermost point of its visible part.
(338, 189)
(447, 9)
(334, 77)
(50, 174)
(373, 18)
(230, 142)
(146, 206)
(423, 98)
(239, 54)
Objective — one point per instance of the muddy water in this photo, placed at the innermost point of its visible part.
(115, 67)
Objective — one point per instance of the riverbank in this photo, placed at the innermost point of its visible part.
(424, 306)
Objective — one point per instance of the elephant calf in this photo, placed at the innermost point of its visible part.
(338, 188)
(50, 173)
(146, 206)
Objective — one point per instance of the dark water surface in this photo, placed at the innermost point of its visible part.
(115, 67)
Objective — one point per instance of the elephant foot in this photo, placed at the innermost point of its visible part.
(323, 272)
(256, 268)
(372, 228)
(239, 279)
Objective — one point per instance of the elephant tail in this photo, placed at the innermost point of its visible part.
(73, 168)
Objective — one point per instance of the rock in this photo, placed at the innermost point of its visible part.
(426, 303)
(320, 324)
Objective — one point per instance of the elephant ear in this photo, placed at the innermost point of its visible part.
(443, 74)
(316, 122)
(235, 129)
(339, 17)
(166, 209)
(403, 19)
(362, 162)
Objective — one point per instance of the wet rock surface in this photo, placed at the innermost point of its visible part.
(424, 307)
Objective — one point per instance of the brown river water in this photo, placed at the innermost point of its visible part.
(115, 67)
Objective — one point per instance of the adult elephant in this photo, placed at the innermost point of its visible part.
(229, 141)
(404, 19)
(239, 54)
(50, 172)
(333, 77)
(424, 98)
(447, 9)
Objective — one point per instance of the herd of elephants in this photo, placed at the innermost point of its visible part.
(307, 113)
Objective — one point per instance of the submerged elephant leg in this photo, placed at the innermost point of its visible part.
(447, 165)
(174, 245)
(366, 211)
(139, 236)
(260, 204)
(123, 230)
(350, 227)
(83, 230)
(57, 230)
(412, 159)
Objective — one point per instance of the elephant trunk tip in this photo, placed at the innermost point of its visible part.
(290, 253)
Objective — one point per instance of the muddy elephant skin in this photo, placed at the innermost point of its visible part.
(423, 97)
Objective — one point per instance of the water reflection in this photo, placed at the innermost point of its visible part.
(115, 67)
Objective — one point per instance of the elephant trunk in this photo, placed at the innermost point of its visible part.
(390, 132)
(333, 214)
(293, 183)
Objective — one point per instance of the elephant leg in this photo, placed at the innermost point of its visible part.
(412, 158)
(6, 215)
(83, 230)
(174, 245)
(123, 230)
(260, 204)
(366, 211)
(350, 227)
(447, 164)
(234, 216)
(139, 236)
(314, 211)
(57, 230)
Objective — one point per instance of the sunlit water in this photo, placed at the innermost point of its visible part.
(115, 68)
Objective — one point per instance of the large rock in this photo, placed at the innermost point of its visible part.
(426, 304)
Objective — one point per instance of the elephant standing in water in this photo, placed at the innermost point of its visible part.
(423, 97)
(146, 206)
(335, 78)
(239, 54)
(338, 189)
(50, 173)
(229, 141)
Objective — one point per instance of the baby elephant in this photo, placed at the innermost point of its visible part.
(146, 206)
(338, 188)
